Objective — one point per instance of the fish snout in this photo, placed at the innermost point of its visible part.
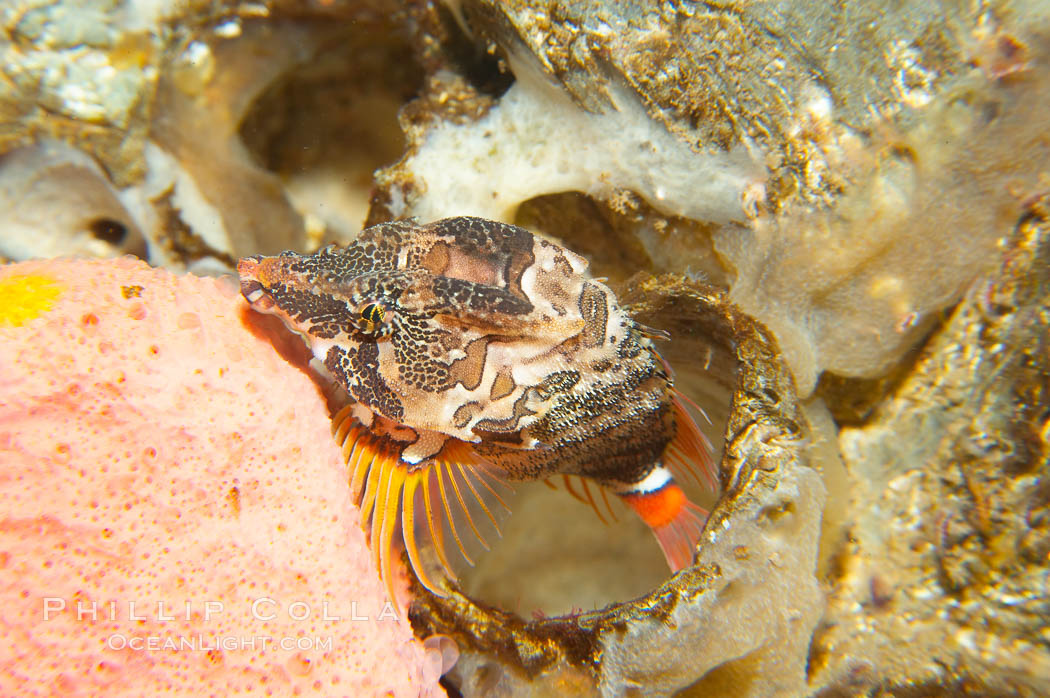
(252, 288)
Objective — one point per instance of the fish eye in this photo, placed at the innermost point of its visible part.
(373, 313)
(371, 317)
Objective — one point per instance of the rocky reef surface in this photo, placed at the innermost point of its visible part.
(839, 212)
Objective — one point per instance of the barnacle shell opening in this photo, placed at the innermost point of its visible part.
(770, 496)
(547, 375)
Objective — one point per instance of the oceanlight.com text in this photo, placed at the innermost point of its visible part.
(207, 643)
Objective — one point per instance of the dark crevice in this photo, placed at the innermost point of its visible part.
(485, 71)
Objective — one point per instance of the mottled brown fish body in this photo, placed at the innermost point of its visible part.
(475, 344)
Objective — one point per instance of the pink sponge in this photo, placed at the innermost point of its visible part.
(174, 515)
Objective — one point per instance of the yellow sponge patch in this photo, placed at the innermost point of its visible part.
(25, 297)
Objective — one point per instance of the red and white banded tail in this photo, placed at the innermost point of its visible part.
(675, 521)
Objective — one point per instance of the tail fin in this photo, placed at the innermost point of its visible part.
(676, 522)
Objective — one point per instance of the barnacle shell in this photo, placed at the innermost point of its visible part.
(754, 582)
(843, 206)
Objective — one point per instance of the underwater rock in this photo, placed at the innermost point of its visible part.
(84, 73)
(157, 450)
(943, 584)
(328, 122)
(201, 178)
(57, 201)
(157, 93)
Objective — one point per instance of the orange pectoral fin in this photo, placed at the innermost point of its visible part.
(389, 491)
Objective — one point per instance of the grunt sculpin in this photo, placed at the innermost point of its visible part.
(476, 353)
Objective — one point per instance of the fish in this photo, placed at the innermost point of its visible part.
(475, 354)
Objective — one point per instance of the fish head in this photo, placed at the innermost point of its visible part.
(462, 326)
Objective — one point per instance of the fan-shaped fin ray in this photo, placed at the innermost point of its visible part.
(608, 505)
(388, 524)
(572, 490)
(679, 538)
(342, 422)
(590, 500)
(465, 474)
(439, 471)
(359, 466)
(437, 535)
(378, 512)
(408, 529)
(359, 449)
(480, 470)
(390, 491)
(375, 477)
(675, 458)
(463, 505)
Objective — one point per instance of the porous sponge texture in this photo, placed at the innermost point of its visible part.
(155, 448)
